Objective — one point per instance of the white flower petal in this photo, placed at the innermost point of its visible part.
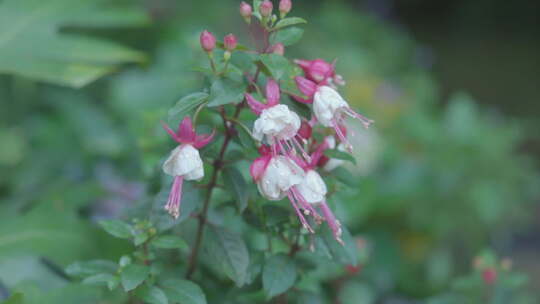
(184, 161)
(327, 105)
(276, 122)
(312, 188)
(280, 175)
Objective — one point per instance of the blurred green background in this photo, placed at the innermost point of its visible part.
(449, 171)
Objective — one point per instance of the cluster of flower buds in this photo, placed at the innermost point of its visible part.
(289, 154)
(208, 44)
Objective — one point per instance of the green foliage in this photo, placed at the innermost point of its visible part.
(32, 46)
(279, 274)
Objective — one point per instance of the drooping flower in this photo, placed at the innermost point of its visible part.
(329, 108)
(312, 192)
(184, 162)
(276, 123)
(276, 177)
(321, 72)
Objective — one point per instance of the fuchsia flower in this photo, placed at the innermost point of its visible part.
(276, 177)
(184, 162)
(276, 123)
(329, 108)
(312, 190)
(320, 71)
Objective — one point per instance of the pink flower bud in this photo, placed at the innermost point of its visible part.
(285, 6)
(489, 275)
(278, 48)
(230, 42)
(245, 10)
(266, 8)
(208, 41)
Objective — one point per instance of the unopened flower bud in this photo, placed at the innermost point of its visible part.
(285, 7)
(208, 41)
(246, 11)
(489, 275)
(278, 48)
(266, 8)
(230, 42)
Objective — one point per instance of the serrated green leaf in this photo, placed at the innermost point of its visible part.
(89, 268)
(230, 253)
(288, 22)
(117, 228)
(152, 295)
(276, 64)
(279, 275)
(133, 275)
(226, 91)
(337, 154)
(184, 292)
(288, 36)
(62, 58)
(234, 182)
(185, 106)
(169, 242)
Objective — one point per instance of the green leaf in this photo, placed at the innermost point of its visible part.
(337, 154)
(279, 275)
(89, 268)
(169, 242)
(133, 275)
(288, 36)
(343, 175)
(185, 106)
(276, 64)
(225, 91)
(229, 251)
(62, 58)
(326, 244)
(235, 183)
(117, 228)
(100, 279)
(152, 295)
(288, 22)
(184, 292)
